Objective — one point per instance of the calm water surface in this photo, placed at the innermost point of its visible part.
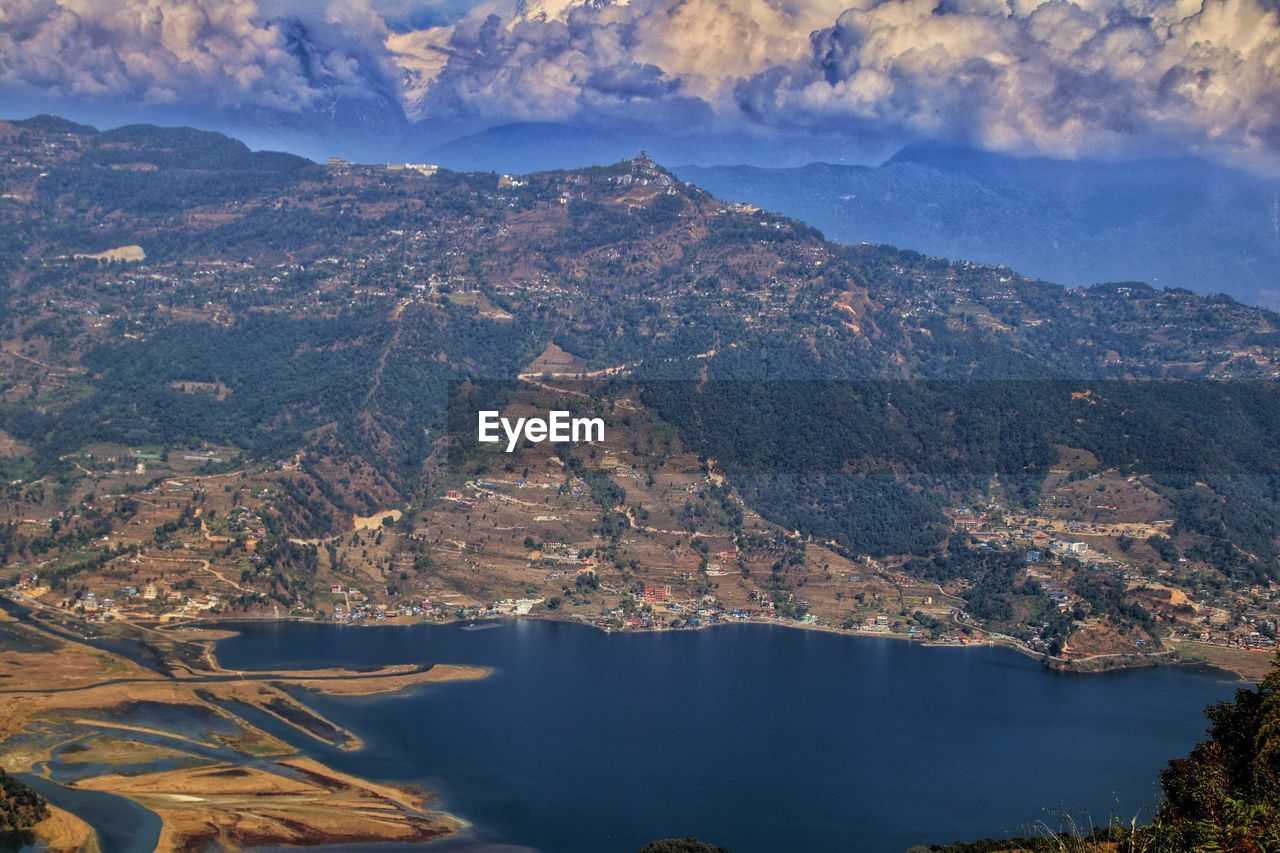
(753, 737)
(122, 825)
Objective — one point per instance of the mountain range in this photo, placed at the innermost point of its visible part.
(319, 333)
(1178, 223)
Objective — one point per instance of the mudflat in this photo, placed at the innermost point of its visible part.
(180, 745)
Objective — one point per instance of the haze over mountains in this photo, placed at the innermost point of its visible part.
(1175, 223)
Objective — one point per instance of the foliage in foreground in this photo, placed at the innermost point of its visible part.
(1225, 795)
(681, 845)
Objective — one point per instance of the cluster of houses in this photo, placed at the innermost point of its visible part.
(362, 610)
(1061, 599)
(97, 608)
(339, 166)
(351, 605)
(674, 615)
(460, 499)
(1253, 640)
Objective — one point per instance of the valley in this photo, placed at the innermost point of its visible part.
(268, 413)
(253, 415)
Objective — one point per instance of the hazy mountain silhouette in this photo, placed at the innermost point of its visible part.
(1184, 223)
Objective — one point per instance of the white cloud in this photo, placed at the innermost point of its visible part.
(1048, 76)
(221, 53)
(1054, 77)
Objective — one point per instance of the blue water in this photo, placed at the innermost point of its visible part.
(122, 825)
(752, 737)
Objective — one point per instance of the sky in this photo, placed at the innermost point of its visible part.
(1092, 78)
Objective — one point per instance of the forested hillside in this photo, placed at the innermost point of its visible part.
(169, 294)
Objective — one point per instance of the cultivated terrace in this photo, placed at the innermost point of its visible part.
(238, 384)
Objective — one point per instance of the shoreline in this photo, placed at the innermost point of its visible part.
(193, 802)
(229, 759)
(1081, 666)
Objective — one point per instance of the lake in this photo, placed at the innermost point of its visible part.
(749, 736)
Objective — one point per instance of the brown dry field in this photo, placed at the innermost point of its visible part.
(63, 832)
(1249, 665)
(72, 692)
(243, 806)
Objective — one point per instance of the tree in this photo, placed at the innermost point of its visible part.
(681, 845)
(1225, 795)
(20, 807)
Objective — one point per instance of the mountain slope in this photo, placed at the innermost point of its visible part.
(281, 341)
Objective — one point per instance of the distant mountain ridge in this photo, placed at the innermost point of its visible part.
(542, 146)
(1178, 223)
(1169, 222)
